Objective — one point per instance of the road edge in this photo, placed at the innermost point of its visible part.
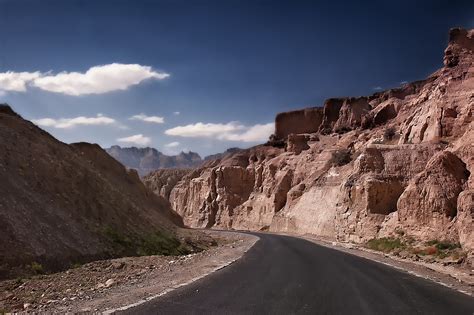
(253, 241)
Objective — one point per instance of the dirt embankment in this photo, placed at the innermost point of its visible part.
(117, 283)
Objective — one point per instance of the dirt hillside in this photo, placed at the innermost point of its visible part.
(61, 204)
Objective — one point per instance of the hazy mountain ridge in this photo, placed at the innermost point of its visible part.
(145, 160)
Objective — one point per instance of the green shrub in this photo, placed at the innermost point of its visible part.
(161, 243)
(385, 244)
(37, 268)
(443, 245)
(156, 243)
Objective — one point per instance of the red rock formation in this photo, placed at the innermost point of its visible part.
(410, 162)
(306, 120)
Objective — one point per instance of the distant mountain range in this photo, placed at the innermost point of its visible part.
(218, 156)
(145, 160)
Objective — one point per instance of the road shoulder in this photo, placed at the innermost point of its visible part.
(460, 279)
(118, 284)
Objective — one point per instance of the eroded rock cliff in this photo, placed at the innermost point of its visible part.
(398, 161)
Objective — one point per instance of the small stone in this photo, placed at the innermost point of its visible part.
(118, 265)
(26, 306)
(109, 283)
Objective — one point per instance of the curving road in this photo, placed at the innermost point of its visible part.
(287, 275)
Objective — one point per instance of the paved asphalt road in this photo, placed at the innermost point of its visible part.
(287, 275)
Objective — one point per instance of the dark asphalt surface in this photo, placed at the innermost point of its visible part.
(287, 275)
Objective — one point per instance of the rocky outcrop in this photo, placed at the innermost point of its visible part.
(351, 114)
(66, 204)
(432, 194)
(398, 161)
(461, 45)
(305, 120)
(161, 182)
(297, 143)
(146, 160)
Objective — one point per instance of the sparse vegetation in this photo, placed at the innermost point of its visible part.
(273, 141)
(76, 265)
(341, 157)
(385, 244)
(157, 243)
(37, 267)
(19, 281)
(389, 133)
(443, 245)
(406, 246)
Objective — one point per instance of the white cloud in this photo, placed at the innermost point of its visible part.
(16, 81)
(176, 113)
(152, 119)
(64, 123)
(172, 144)
(256, 133)
(139, 139)
(377, 88)
(232, 131)
(96, 80)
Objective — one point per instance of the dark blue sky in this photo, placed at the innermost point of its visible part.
(228, 61)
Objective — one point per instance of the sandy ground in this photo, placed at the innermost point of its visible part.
(104, 286)
(458, 277)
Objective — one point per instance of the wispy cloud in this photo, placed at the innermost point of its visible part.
(172, 144)
(403, 82)
(176, 113)
(96, 80)
(377, 88)
(232, 131)
(139, 140)
(65, 123)
(151, 119)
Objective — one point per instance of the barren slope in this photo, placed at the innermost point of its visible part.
(65, 204)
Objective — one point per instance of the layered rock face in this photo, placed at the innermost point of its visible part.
(401, 160)
(146, 160)
(64, 204)
(306, 120)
